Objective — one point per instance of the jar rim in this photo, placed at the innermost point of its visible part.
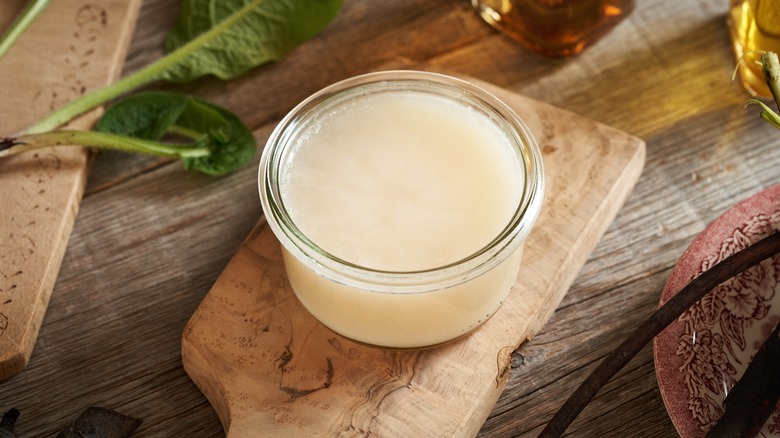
(424, 280)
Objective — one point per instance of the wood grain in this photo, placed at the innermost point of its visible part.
(268, 366)
(72, 48)
(151, 240)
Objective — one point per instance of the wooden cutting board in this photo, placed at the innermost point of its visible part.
(270, 369)
(73, 47)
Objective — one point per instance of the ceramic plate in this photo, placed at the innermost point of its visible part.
(701, 355)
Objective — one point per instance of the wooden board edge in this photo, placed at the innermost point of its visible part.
(600, 222)
(16, 359)
(609, 209)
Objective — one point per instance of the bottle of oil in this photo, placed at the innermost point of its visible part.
(754, 25)
(554, 28)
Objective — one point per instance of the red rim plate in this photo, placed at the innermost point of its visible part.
(702, 354)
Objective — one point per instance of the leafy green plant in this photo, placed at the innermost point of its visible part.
(220, 37)
(217, 141)
(224, 38)
(771, 70)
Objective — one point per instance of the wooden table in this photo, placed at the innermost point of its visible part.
(150, 239)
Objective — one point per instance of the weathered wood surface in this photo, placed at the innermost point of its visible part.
(72, 48)
(327, 386)
(150, 240)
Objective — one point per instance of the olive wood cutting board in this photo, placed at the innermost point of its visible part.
(73, 47)
(270, 369)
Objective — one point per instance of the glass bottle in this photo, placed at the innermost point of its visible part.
(554, 28)
(754, 25)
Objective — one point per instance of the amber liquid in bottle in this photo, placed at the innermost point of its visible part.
(754, 25)
(554, 28)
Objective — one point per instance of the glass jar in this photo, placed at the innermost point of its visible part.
(754, 26)
(554, 28)
(360, 205)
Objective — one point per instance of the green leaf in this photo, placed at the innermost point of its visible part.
(766, 113)
(220, 37)
(152, 115)
(233, 142)
(250, 33)
(146, 115)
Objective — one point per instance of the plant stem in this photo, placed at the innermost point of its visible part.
(27, 142)
(766, 112)
(94, 99)
(671, 310)
(150, 73)
(27, 16)
(770, 66)
(185, 132)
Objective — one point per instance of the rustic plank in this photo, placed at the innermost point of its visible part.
(86, 357)
(73, 47)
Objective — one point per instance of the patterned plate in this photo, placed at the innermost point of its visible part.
(701, 355)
